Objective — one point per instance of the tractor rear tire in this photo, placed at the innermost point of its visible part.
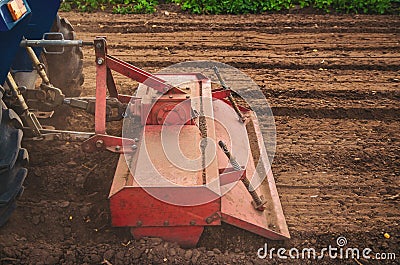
(65, 70)
(13, 161)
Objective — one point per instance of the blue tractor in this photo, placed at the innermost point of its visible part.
(59, 67)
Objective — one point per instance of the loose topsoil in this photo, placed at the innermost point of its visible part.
(333, 82)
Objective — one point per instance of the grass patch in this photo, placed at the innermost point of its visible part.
(235, 6)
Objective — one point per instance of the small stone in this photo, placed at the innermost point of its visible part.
(85, 210)
(95, 259)
(137, 253)
(210, 253)
(217, 251)
(109, 254)
(72, 163)
(9, 252)
(156, 241)
(70, 256)
(188, 254)
(67, 230)
(64, 204)
(39, 254)
(181, 252)
(196, 255)
(52, 260)
(36, 220)
(120, 256)
(172, 251)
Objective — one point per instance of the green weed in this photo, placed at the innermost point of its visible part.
(234, 6)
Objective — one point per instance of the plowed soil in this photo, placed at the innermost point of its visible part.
(333, 82)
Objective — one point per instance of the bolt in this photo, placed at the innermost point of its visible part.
(170, 96)
(100, 61)
(187, 96)
(139, 223)
(187, 88)
(136, 140)
(99, 143)
(134, 146)
(98, 45)
(192, 222)
(166, 223)
(209, 220)
(117, 148)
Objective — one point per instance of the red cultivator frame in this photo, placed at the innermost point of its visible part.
(154, 191)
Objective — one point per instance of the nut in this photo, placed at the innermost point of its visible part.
(100, 61)
(99, 143)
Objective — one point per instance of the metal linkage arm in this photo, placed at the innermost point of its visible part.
(258, 201)
(115, 110)
(141, 76)
(52, 43)
(231, 99)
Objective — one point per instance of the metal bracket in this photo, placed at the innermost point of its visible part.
(55, 34)
(42, 114)
(54, 96)
(216, 216)
(111, 143)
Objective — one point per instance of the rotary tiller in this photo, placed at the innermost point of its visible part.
(188, 163)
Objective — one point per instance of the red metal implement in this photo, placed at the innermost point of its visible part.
(174, 195)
